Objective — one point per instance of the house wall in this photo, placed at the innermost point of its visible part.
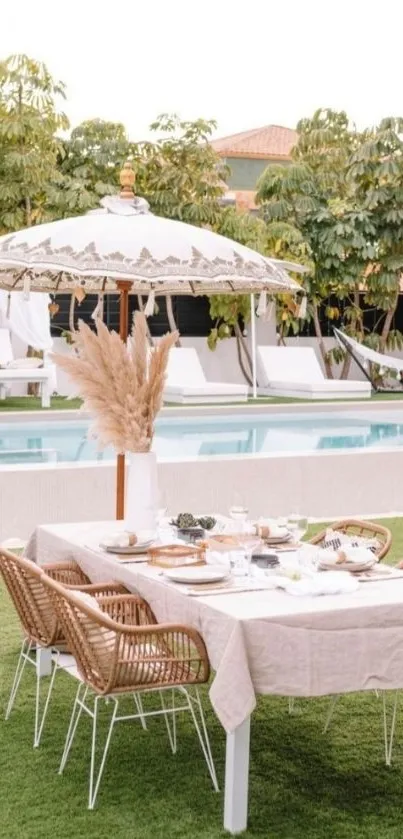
(245, 172)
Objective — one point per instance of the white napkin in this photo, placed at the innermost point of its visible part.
(121, 540)
(358, 556)
(331, 582)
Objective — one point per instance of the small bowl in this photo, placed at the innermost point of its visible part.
(266, 560)
(190, 534)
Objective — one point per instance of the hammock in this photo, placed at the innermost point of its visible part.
(364, 356)
(388, 362)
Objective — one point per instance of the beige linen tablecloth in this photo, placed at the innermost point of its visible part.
(265, 642)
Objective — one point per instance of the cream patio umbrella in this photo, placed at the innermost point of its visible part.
(122, 247)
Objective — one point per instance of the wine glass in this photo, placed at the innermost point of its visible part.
(238, 510)
(297, 525)
(248, 542)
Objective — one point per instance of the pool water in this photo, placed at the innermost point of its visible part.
(180, 438)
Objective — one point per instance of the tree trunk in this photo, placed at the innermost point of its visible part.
(142, 307)
(387, 325)
(72, 327)
(347, 358)
(241, 347)
(318, 333)
(346, 366)
(171, 318)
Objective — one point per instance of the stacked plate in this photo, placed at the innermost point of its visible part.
(278, 540)
(129, 550)
(356, 559)
(197, 575)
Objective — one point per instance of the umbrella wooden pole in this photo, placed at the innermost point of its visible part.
(253, 342)
(124, 288)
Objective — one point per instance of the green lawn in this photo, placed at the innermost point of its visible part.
(60, 403)
(303, 785)
(33, 403)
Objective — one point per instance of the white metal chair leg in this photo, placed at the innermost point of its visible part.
(139, 705)
(330, 712)
(25, 650)
(389, 739)
(202, 735)
(74, 720)
(291, 703)
(39, 721)
(93, 790)
(171, 731)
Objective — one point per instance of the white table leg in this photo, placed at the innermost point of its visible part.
(43, 661)
(237, 778)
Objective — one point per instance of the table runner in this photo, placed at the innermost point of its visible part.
(259, 642)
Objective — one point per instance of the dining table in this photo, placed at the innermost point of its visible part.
(260, 640)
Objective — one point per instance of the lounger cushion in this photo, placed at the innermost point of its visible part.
(25, 364)
(326, 386)
(40, 374)
(186, 379)
(208, 389)
(289, 364)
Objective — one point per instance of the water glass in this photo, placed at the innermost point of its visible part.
(240, 563)
(238, 510)
(297, 525)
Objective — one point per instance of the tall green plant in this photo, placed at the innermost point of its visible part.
(30, 120)
(332, 197)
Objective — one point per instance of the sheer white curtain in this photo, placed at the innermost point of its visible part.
(29, 320)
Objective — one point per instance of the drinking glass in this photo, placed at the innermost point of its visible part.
(297, 525)
(249, 545)
(238, 510)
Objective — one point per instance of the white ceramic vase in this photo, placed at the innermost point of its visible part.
(141, 507)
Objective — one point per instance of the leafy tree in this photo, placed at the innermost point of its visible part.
(376, 175)
(180, 175)
(29, 147)
(89, 166)
(322, 197)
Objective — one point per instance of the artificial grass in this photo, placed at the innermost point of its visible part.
(33, 403)
(303, 784)
(61, 403)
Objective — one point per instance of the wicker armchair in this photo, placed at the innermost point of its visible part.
(42, 630)
(365, 529)
(120, 649)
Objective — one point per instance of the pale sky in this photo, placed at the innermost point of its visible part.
(245, 63)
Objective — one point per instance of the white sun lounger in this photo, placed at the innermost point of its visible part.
(295, 372)
(187, 384)
(22, 372)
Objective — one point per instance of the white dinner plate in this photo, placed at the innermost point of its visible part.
(130, 550)
(347, 566)
(197, 574)
(277, 540)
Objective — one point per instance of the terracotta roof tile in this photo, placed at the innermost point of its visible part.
(269, 141)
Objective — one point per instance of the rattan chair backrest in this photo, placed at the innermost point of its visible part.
(363, 529)
(35, 609)
(119, 657)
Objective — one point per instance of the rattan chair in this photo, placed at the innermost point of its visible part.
(43, 637)
(364, 529)
(116, 656)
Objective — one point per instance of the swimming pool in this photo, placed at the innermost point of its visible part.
(180, 438)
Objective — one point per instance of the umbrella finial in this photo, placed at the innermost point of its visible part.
(127, 179)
